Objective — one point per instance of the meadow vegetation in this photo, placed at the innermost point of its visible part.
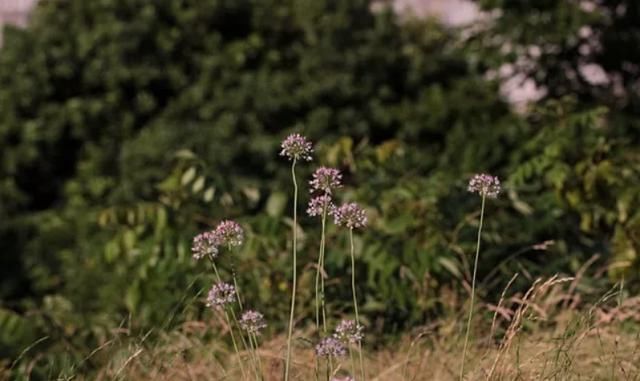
(127, 128)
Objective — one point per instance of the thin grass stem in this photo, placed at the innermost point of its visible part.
(226, 315)
(355, 300)
(295, 279)
(473, 290)
(320, 302)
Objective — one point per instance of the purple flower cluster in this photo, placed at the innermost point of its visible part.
(348, 331)
(484, 185)
(347, 378)
(205, 245)
(325, 180)
(296, 147)
(350, 215)
(221, 294)
(318, 205)
(227, 233)
(330, 347)
(252, 321)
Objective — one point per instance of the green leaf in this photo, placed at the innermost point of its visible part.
(198, 185)
(188, 176)
(276, 204)
(208, 194)
(132, 297)
(451, 266)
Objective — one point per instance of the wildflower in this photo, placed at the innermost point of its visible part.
(350, 215)
(348, 331)
(229, 233)
(296, 147)
(325, 180)
(252, 321)
(205, 244)
(330, 346)
(221, 294)
(318, 205)
(347, 378)
(484, 185)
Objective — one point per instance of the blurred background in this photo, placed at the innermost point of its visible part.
(128, 126)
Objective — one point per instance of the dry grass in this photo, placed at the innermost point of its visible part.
(542, 334)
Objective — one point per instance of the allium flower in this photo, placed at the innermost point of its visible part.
(229, 233)
(348, 331)
(297, 147)
(484, 185)
(205, 244)
(350, 215)
(252, 321)
(330, 346)
(326, 180)
(347, 378)
(318, 204)
(221, 294)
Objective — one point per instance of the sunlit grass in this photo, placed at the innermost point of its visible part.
(536, 335)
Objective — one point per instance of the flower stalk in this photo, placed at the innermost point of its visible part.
(355, 301)
(473, 291)
(229, 324)
(486, 186)
(294, 269)
(295, 147)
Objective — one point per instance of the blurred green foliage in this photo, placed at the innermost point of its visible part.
(127, 127)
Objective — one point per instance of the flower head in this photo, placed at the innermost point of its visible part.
(350, 215)
(221, 294)
(296, 147)
(348, 331)
(205, 245)
(252, 321)
(318, 205)
(347, 378)
(326, 180)
(484, 185)
(229, 233)
(330, 346)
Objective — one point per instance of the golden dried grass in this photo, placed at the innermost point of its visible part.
(541, 334)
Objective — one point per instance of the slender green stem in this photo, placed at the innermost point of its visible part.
(295, 275)
(329, 368)
(322, 294)
(257, 365)
(235, 284)
(233, 314)
(253, 358)
(235, 319)
(226, 315)
(473, 290)
(353, 361)
(255, 340)
(319, 276)
(355, 300)
(239, 299)
(235, 345)
(235, 281)
(215, 270)
(320, 304)
(248, 347)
